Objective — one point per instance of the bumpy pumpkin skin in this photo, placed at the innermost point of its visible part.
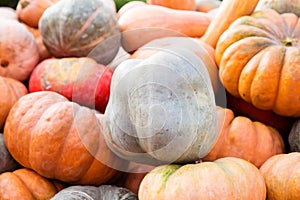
(11, 91)
(7, 163)
(282, 174)
(235, 178)
(44, 131)
(28, 185)
(282, 6)
(175, 4)
(78, 28)
(240, 137)
(80, 80)
(258, 58)
(294, 137)
(15, 38)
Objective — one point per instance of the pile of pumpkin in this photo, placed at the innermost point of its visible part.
(154, 100)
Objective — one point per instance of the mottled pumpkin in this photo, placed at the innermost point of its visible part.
(282, 176)
(7, 163)
(294, 137)
(28, 185)
(80, 28)
(226, 178)
(59, 139)
(259, 57)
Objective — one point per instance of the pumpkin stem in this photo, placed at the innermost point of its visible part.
(24, 4)
(288, 41)
(4, 63)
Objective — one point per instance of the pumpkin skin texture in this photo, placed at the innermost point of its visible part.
(80, 80)
(207, 5)
(236, 179)
(240, 137)
(128, 6)
(8, 13)
(258, 59)
(78, 28)
(103, 192)
(15, 38)
(44, 131)
(167, 114)
(282, 176)
(283, 6)
(294, 137)
(28, 185)
(11, 91)
(7, 163)
(175, 4)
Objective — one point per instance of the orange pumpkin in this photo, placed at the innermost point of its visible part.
(175, 4)
(11, 91)
(259, 58)
(46, 132)
(282, 176)
(240, 137)
(28, 185)
(226, 178)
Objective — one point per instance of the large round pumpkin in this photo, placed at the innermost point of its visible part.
(11, 91)
(18, 50)
(259, 61)
(80, 28)
(282, 176)
(28, 185)
(58, 139)
(226, 178)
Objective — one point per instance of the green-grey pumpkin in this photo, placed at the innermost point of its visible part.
(7, 162)
(294, 137)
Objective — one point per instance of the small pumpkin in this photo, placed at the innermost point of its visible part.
(161, 109)
(175, 4)
(15, 38)
(226, 178)
(258, 59)
(26, 184)
(294, 136)
(30, 11)
(7, 163)
(80, 28)
(44, 131)
(240, 137)
(282, 6)
(8, 13)
(11, 91)
(282, 176)
(103, 192)
(80, 80)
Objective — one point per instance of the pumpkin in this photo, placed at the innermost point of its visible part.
(7, 163)
(136, 23)
(161, 109)
(44, 131)
(229, 11)
(294, 137)
(226, 178)
(207, 5)
(80, 28)
(11, 91)
(15, 38)
(282, 175)
(258, 61)
(282, 6)
(8, 13)
(81, 80)
(240, 137)
(128, 6)
(175, 4)
(103, 192)
(30, 11)
(28, 185)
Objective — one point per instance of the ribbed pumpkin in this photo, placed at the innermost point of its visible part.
(175, 4)
(294, 137)
(18, 50)
(28, 185)
(11, 91)
(259, 57)
(7, 163)
(240, 137)
(282, 6)
(226, 178)
(282, 176)
(58, 139)
(81, 80)
(80, 28)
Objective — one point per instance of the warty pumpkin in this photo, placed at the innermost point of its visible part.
(174, 4)
(80, 28)
(46, 132)
(294, 136)
(7, 162)
(258, 59)
(282, 176)
(240, 137)
(27, 185)
(226, 178)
